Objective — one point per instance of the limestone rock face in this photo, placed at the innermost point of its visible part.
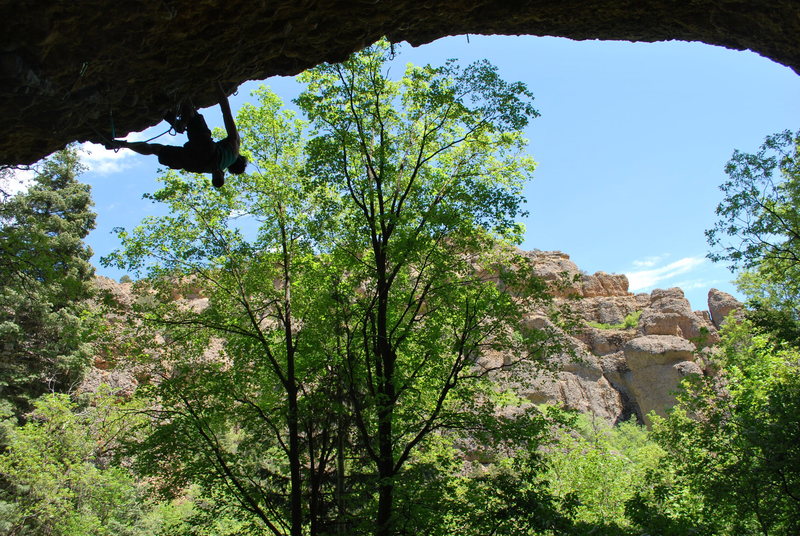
(603, 284)
(611, 309)
(617, 372)
(613, 372)
(558, 270)
(721, 304)
(669, 313)
(65, 67)
(578, 382)
(657, 364)
(602, 342)
(650, 350)
(122, 383)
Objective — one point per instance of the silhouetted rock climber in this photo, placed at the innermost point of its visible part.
(201, 154)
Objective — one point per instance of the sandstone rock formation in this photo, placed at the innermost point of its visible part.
(613, 372)
(656, 364)
(720, 305)
(669, 313)
(65, 67)
(619, 372)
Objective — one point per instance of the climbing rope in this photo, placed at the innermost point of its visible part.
(103, 137)
(170, 130)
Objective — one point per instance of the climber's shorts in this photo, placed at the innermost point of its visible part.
(198, 155)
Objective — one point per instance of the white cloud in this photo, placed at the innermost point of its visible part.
(17, 181)
(693, 284)
(649, 262)
(105, 161)
(647, 279)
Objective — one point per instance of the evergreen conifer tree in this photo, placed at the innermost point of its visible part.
(46, 280)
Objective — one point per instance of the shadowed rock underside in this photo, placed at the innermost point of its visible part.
(67, 67)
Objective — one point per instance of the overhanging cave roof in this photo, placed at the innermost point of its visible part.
(65, 66)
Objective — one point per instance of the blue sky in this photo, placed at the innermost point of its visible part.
(631, 145)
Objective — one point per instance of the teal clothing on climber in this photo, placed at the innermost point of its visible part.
(226, 154)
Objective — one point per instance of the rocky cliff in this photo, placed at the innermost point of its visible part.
(622, 369)
(75, 71)
(628, 351)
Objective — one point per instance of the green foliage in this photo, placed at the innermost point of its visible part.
(759, 226)
(57, 476)
(46, 278)
(598, 468)
(734, 440)
(629, 322)
(504, 493)
(424, 177)
(353, 321)
(781, 325)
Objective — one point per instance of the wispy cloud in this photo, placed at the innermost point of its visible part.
(692, 284)
(649, 262)
(17, 181)
(103, 161)
(647, 279)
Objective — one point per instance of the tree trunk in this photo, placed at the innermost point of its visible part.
(296, 492)
(296, 510)
(340, 466)
(386, 361)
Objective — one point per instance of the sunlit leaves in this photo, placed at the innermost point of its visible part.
(759, 225)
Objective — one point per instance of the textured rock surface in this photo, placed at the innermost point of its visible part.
(720, 305)
(669, 313)
(619, 373)
(65, 65)
(612, 373)
(657, 364)
(603, 284)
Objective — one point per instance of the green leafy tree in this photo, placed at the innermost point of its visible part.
(58, 478)
(759, 226)
(597, 468)
(424, 175)
(354, 290)
(734, 440)
(46, 278)
(503, 492)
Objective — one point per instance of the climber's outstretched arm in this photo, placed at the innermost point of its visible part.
(227, 116)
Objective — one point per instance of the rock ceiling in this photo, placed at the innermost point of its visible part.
(65, 67)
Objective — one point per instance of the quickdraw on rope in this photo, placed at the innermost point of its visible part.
(107, 141)
(170, 130)
(113, 130)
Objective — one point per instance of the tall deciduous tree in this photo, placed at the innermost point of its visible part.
(357, 286)
(759, 226)
(46, 279)
(425, 176)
